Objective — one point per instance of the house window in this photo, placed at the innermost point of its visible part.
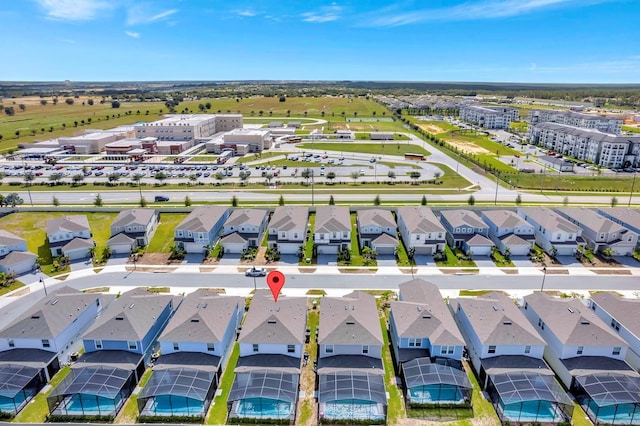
(98, 344)
(527, 349)
(616, 350)
(415, 343)
(365, 349)
(418, 237)
(176, 346)
(345, 235)
(256, 347)
(328, 349)
(291, 349)
(211, 347)
(443, 350)
(45, 343)
(11, 343)
(492, 349)
(133, 345)
(580, 350)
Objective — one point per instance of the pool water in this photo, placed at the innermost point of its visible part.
(263, 407)
(447, 394)
(352, 409)
(167, 405)
(620, 414)
(532, 411)
(83, 404)
(15, 404)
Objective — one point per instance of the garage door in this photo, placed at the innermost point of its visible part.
(194, 248)
(78, 254)
(385, 250)
(424, 250)
(289, 248)
(327, 249)
(120, 249)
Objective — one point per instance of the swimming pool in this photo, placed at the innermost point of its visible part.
(171, 405)
(436, 394)
(15, 404)
(262, 408)
(84, 404)
(352, 409)
(619, 414)
(532, 411)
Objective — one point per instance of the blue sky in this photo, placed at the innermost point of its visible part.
(563, 41)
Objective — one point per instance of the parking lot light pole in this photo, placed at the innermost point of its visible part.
(544, 270)
(633, 183)
(312, 193)
(495, 200)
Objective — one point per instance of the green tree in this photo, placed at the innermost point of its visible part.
(244, 176)
(234, 201)
(22, 107)
(69, 101)
(97, 201)
(281, 200)
(376, 201)
(331, 176)
(565, 201)
(55, 201)
(332, 202)
(423, 202)
(193, 178)
(187, 201)
(13, 200)
(307, 174)
(471, 200)
(355, 175)
(414, 175)
(113, 178)
(142, 202)
(392, 176)
(161, 177)
(614, 201)
(518, 200)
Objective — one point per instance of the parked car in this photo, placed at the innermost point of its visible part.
(159, 198)
(256, 272)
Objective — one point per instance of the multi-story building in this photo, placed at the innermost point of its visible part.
(241, 141)
(14, 257)
(466, 231)
(70, 236)
(588, 356)
(509, 232)
(601, 233)
(350, 360)
(507, 353)
(288, 228)
(489, 117)
(421, 230)
(601, 123)
(188, 127)
(201, 229)
(132, 228)
(427, 346)
(195, 346)
(553, 233)
(625, 216)
(377, 229)
(603, 149)
(244, 228)
(332, 231)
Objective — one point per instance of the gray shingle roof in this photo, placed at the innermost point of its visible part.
(514, 240)
(78, 243)
(592, 134)
(385, 239)
(479, 240)
(120, 238)
(287, 218)
(626, 215)
(16, 257)
(51, 315)
(497, 320)
(572, 322)
(590, 219)
(420, 220)
(203, 316)
(202, 219)
(74, 223)
(458, 218)
(352, 319)
(625, 310)
(283, 322)
(9, 239)
(549, 219)
(134, 217)
(252, 217)
(505, 218)
(423, 313)
(233, 238)
(332, 219)
(130, 317)
(376, 217)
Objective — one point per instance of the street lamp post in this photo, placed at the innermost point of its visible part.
(312, 193)
(633, 183)
(544, 270)
(495, 200)
(43, 286)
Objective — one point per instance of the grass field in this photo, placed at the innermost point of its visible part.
(631, 129)
(32, 227)
(218, 410)
(9, 288)
(163, 238)
(129, 412)
(386, 148)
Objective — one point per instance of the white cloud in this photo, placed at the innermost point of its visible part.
(132, 34)
(248, 13)
(472, 10)
(324, 14)
(142, 14)
(74, 10)
(68, 41)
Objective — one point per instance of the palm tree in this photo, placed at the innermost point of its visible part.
(392, 176)
(28, 178)
(137, 178)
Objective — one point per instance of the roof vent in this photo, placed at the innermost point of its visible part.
(119, 318)
(195, 320)
(53, 302)
(132, 305)
(419, 308)
(271, 322)
(570, 310)
(585, 322)
(350, 323)
(35, 316)
(495, 308)
(507, 322)
(426, 316)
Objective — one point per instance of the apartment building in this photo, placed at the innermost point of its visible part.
(489, 117)
(601, 123)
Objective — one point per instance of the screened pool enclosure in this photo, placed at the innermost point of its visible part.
(609, 398)
(529, 397)
(429, 384)
(352, 395)
(264, 394)
(177, 392)
(18, 384)
(91, 391)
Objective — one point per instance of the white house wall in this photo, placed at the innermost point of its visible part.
(374, 351)
(246, 349)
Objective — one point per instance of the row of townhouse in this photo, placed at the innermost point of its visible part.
(489, 117)
(604, 149)
(611, 125)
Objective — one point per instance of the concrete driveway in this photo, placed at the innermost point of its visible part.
(484, 262)
(424, 260)
(78, 265)
(192, 259)
(386, 260)
(327, 259)
(118, 259)
(522, 262)
(230, 259)
(570, 262)
(288, 260)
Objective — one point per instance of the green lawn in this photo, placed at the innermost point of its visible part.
(163, 238)
(520, 126)
(631, 129)
(445, 126)
(308, 245)
(37, 410)
(453, 261)
(129, 412)
(395, 407)
(260, 157)
(482, 408)
(306, 411)
(9, 288)
(218, 411)
(383, 148)
(474, 293)
(32, 227)
(579, 417)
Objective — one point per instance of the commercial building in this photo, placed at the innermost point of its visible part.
(489, 117)
(241, 141)
(188, 127)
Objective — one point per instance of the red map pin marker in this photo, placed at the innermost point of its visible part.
(275, 281)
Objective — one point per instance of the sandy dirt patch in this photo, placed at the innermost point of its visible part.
(432, 128)
(468, 147)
